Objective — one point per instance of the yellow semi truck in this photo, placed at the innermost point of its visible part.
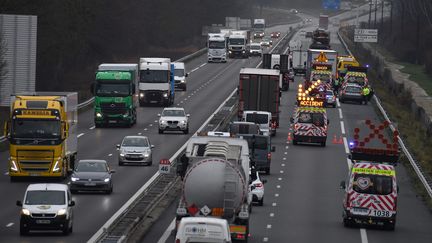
(42, 134)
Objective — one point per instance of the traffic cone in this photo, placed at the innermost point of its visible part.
(340, 140)
(334, 141)
(289, 137)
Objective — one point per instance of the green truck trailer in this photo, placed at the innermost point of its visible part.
(114, 90)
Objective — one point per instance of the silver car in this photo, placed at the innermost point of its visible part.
(135, 149)
(173, 119)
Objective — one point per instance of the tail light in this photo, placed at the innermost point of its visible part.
(177, 241)
(268, 156)
(258, 185)
(347, 203)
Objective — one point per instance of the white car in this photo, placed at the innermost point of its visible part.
(203, 229)
(255, 49)
(258, 190)
(135, 149)
(46, 207)
(173, 119)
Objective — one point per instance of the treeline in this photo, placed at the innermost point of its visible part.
(74, 36)
(408, 33)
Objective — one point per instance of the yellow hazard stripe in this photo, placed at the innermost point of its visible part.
(238, 229)
(374, 171)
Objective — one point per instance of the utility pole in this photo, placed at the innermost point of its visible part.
(370, 13)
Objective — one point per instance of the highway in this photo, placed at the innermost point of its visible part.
(303, 202)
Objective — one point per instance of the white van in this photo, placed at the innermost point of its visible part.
(180, 75)
(263, 119)
(46, 207)
(203, 229)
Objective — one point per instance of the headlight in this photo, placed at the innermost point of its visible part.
(61, 212)
(182, 81)
(107, 180)
(243, 51)
(25, 211)
(146, 155)
(74, 178)
(98, 114)
(13, 167)
(165, 95)
(230, 52)
(141, 95)
(56, 167)
(122, 155)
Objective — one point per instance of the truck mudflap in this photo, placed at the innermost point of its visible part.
(239, 232)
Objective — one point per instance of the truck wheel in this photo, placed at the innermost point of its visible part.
(261, 202)
(267, 171)
(66, 228)
(186, 131)
(347, 223)
(294, 142)
(160, 131)
(120, 163)
(389, 226)
(323, 144)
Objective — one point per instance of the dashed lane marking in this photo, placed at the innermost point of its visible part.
(337, 102)
(109, 155)
(286, 147)
(276, 195)
(269, 226)
(156, 121)
(145, 129)
(346, 145)
(284, 158)
(281, 171)
(340, 113)
(342, 127)
(9, 225)
(274, 204)
(271, 214)
(283, 164)
(92, 127)
(280, 178)
(285, 153)
(265, 239)
(139, 133)
(7, 173)
(150, 125)
(363, 236)
(278, 186)
(79, 135)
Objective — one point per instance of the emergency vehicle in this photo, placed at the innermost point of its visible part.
(371, 190)
(310, 122)
(344, 62)
(356, 75)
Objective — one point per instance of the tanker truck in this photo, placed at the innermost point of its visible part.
(215, 182)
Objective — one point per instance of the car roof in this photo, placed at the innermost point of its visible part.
(47, 187)
(203, 219)
(174, 108)
(135, 136)
(92, 160)
(178, 65)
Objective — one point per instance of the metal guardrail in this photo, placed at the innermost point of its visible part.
(2, 139)
(424, 178)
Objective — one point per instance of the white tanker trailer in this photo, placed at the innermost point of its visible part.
(216, 182)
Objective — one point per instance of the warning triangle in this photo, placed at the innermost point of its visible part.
(321, 57)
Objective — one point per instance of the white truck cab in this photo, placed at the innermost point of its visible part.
(203, 229)
(46, 207)
(263, 119)
(217, 47)
(180, 75)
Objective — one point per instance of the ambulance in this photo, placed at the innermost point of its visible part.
(371, 191)
(309, 122)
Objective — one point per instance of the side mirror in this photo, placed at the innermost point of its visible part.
(72, 203)
(292, 120)
(264, 181)
(92, 87)
(273, 148)
(118, 146)
(342, 185)
(186, 75)
(19, 203)
(112, 171)
(152, 146)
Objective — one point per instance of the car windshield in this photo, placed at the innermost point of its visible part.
(135, 142)
(154, 76)
(236, 41)
(255, 47)
(329, 93)
(216, 44)
(45, 197)
(257, 118)
(353, 89)
(179, 72)
(112, 89)
(91, 167)
(313, 118)
(373, 184)
(173, 113)
(37, 128)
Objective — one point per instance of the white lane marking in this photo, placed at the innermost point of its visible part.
(340, 113)
(9, 225)
(363, 236)
(278, 186)
(167, 232)
(281, 171)
(156, 121)
(280, 178)
(79, 135)
(346, 145)
(139, 133)
(271, 214)
(269, 226)
(202, 65)
(349, 162)
(284, 158)
(342, 127)
(178, 104)
(109, 155)
(274, 204)
(150, 125)
(283, 164)
(337, 102)
(265, 239)
(145, 129)
(276, 195)
(193, 70)
(286, 147)
(285, 152)
(7, 173)
(91, 128)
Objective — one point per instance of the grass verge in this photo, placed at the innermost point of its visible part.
(418, 74)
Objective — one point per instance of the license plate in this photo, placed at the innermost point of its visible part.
(90, 184)
(112, 121)
(43, 221)
(360, 211)
(34, 174)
